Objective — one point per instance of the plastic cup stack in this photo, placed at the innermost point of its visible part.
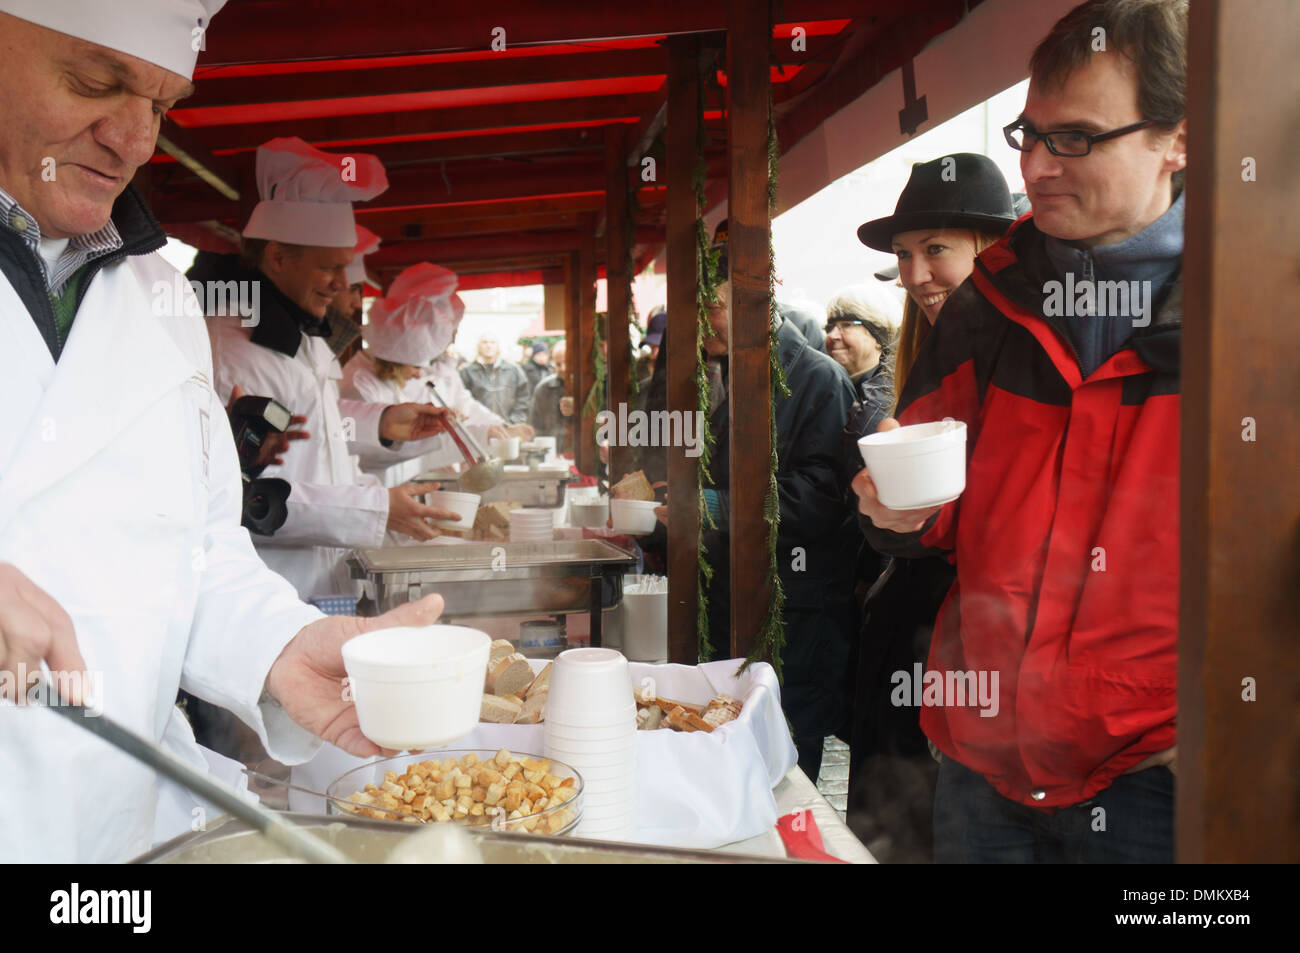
(591, 725)
(532, 526)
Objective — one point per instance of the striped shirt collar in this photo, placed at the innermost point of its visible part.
(79, 250)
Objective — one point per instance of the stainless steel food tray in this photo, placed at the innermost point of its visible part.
(228, 841)
(497, 579)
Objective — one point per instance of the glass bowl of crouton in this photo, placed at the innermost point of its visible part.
(492, 790)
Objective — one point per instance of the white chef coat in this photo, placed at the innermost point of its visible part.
(120, 497)
(333, 506)
(404, 462)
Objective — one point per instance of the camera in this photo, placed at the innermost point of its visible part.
(265, 499)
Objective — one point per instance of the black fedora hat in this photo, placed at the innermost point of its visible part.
(962, 190)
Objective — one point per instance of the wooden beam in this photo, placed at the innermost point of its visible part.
(186, 149)
(333, 132)
(680, 346)
(748, 251)
(1239, 623)
(408, 191)
(510, 279)
(447, 74)
(275, 32)
(618, 288)
(896, 44)
(468, 212)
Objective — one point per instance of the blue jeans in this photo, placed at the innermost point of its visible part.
(974, 824)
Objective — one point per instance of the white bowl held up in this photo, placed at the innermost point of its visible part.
(917, 466)
(417, 686)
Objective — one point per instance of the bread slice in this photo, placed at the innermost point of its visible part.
(511, 674)
(722, 709)
(499, 649)
(634, 486)
(534, 709)
(501, 711)
(541, 683)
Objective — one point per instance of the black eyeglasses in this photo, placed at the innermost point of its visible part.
(1067, 142)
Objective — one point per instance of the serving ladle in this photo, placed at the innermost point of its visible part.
(484, 471)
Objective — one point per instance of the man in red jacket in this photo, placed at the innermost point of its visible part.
(1061, 355)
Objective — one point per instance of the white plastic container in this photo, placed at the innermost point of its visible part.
(505, 449)
(417, 686)
(918, 466)
(645, 624)
(591, 513)
(600, 727)
(591, 687)
(634, 517)
(466, 504)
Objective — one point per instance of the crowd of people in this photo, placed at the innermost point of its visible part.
(1072, 422)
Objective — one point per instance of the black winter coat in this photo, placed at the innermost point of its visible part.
(820, 613)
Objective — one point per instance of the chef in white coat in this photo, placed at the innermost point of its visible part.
(407, 330)
(298, 243)
(121, 553)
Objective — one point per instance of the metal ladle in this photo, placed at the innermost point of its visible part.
(484, 472)
(284, 835)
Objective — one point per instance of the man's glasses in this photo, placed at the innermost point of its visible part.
(1068, 142)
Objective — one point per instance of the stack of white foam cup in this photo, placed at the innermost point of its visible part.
(591, 726)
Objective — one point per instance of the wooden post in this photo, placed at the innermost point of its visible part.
(748, 41)
(1239, 636)
(584, 440)
(680, 347)
(618, 288)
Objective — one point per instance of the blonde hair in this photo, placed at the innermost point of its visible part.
(916, 326)
(389, 371)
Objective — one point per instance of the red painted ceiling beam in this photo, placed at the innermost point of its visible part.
(259, 31)
(340, 130)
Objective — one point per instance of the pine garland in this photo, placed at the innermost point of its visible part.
(629, 231)
(770, 643)
(706, 295)
(596, 396)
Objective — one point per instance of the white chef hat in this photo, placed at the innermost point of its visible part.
(167, 33)
(307, 194)
(367, 242)
(413, 323)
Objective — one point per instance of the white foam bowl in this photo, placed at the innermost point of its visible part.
(465, 504)
(417, 686)
(636, 517)
(591, 726)
(918, 466)
(591, 686)
(592, 514)
(506, 449)
(618, 753)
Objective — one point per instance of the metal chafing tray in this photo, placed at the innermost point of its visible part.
(229, 841)
(497, 579)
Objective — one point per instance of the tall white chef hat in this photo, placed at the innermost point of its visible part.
(414, 322)
(367, 242)
(167, 33)
(307, 194)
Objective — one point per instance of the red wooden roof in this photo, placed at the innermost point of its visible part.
(492, 155)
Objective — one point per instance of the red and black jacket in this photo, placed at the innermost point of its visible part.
(1065, 539)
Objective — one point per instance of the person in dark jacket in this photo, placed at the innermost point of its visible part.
(498, 385)
(817, 537)
(861, 328)
(538, 366)
(551, 409)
